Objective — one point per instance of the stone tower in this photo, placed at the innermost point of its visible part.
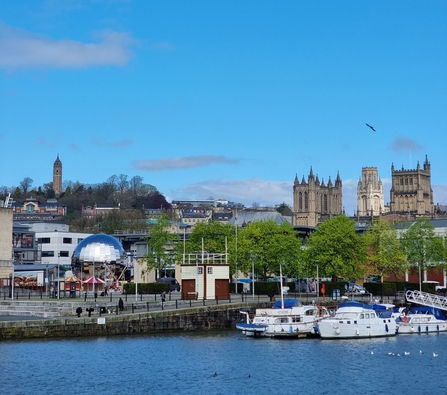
(57, 176)
(370, 198)
(313, 202)
(411, 191)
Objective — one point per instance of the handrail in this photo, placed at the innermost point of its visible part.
(426, 299)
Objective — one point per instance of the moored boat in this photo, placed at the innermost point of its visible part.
(422, 319)
(357, 320)
(287, 318)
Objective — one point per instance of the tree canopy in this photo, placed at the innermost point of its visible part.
(337, 250)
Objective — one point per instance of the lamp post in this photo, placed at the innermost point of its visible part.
(253, 275)
(136, 274)
(236, 250)
(420, 280)
(58, 275)
(318, 282)
(46, 279)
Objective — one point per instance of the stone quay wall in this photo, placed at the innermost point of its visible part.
(219, 317)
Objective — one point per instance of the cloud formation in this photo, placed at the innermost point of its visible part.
(186, 162)
(22, 49)
(267, 193)
(107, 143)
(405, 144)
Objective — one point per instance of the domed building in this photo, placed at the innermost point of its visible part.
(99, 257)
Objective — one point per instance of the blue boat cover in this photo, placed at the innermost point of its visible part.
(426, 309)
(288, 303)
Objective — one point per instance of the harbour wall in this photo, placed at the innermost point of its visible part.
(218, 317)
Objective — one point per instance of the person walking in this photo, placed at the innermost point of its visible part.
(121, 304)
(163, 299)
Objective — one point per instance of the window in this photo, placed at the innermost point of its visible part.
(64, 254)
(67, 240)
(29, 208)
(200, 270)
(210, 270)
(44, 240)
(47, 254)
(79, 240)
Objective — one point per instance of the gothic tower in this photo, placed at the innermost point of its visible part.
(411, 191)
(370, 198)
(57, 176)
(314, 201)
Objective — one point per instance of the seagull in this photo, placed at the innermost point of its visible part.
(215, 374)
(435, 355)
(407, 352)
(371, 127)
(421, 352)
(372, 352)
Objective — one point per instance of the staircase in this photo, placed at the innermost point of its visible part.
(426, 299)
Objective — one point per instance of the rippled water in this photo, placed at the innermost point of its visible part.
(186, 363)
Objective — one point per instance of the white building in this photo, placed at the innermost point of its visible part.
(57, 247)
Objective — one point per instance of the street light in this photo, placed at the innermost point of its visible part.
(318, 282)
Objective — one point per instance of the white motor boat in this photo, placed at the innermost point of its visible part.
(357, 320)
(287, 318)
(423, 319)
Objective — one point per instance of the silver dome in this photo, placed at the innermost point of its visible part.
(100, 248)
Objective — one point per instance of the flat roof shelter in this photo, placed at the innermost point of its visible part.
(205, 277)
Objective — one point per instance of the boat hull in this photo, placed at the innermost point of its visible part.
(331, 329)
(421, 328)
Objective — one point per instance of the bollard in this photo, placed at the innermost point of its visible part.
(147, 306)
(116, 309)
(133, 308)
(176, 304)
(85, 297)
(190, 302)
(217, 300)
(204, 301)
(110, 298)
(29, 295)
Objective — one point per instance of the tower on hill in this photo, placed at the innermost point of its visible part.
(57, 176)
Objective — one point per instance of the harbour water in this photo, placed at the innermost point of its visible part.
(224, 363)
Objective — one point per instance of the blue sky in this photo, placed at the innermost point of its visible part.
(230, 99)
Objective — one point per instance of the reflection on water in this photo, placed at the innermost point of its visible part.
(186, 363)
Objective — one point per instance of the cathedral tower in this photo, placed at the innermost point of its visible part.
(314, 201)
(370, 198)
(411, 191)
(57, 176)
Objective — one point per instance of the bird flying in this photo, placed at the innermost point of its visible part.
(371, 127)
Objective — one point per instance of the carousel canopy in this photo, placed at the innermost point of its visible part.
(93, 280)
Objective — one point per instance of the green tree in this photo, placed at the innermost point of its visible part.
(162, 245)
(337, 250)
(386, 255)
(422, 246)
(267, 245)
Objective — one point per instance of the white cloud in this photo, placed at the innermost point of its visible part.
(186, 162)
(267, 193)
(21, 49)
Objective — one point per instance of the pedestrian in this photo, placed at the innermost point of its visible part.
(121, 304)
(163, 298)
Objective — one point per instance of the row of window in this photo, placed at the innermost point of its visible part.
(66, 240)
(200, 270)
(46, 254)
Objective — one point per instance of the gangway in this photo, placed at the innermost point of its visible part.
(426, 299)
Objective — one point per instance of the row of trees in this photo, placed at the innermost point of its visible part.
(336, 247)
(128, 193)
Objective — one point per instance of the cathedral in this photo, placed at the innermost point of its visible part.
(370, 197)
(314, 201)
(411, 191)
